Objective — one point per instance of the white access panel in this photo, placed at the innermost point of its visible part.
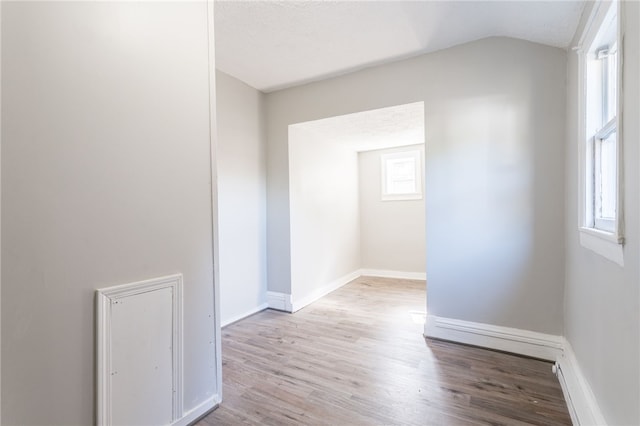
(141, 375)
(139, 353)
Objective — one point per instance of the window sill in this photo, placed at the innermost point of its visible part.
(400, 197)
(606, 244)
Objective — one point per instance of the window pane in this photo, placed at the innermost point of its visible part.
(402, 168)
(401, 176)
(610, 85)
(607, 172)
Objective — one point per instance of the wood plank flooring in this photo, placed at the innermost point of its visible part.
(358, 357)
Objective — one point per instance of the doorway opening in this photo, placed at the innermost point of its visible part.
(357, 200)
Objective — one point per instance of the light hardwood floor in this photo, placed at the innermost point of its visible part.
(358, 357)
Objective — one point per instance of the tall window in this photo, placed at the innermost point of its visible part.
(401, 176)
(600, 59)
(601, 123)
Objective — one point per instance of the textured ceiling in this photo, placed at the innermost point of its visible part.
(273, 44)
(368, 130)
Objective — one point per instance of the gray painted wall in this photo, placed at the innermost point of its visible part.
(241, 198)
(602, 300)
(392, 233)
(105, 180)
(494, 117)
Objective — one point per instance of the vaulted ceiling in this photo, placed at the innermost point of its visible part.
(273, 44)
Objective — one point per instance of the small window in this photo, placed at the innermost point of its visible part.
(401, 176)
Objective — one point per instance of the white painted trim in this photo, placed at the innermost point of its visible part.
(213, 152)
(236, 318)
(298, 304)
(384, 158)
(587, 33)
(606, 245)
(105, 297)
(581, 401)
(279, 301)
(196, 413)
(523, 342)
(401, 275)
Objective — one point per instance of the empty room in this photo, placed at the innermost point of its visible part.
(320, 213)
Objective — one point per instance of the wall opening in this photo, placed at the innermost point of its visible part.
(343, 224)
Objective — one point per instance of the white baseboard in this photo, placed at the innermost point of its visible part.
(581, 402)
(279, 301)
(324, 290)
(523, 342)
(394, 274)
(236, 318)
(199, 411)
(288, 303)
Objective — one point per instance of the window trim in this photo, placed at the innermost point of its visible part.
(605, 243)
(417, 195)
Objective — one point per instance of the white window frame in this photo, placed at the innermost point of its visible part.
(603, 237)
(417, 195)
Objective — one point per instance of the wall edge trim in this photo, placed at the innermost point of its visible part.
(213, 173)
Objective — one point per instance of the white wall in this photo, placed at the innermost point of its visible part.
(602, 301)
(325, 230)
(105, 180)
(241, 198)
(494, 119)
(392, 233)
